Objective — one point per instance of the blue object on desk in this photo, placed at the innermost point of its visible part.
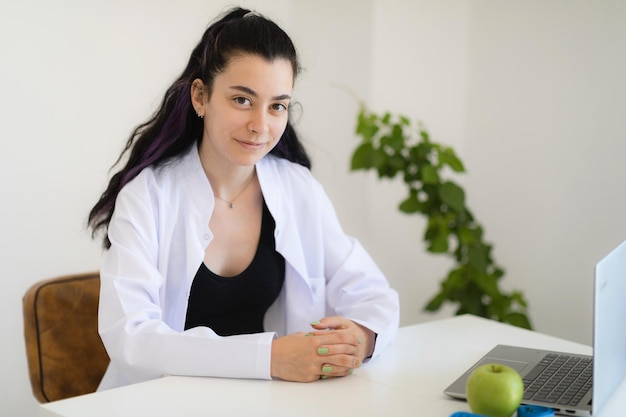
(522, 411)
(534, 411)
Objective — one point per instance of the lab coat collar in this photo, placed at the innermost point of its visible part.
(276, 192)
(276, 189)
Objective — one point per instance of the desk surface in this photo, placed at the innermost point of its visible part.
(409, 376)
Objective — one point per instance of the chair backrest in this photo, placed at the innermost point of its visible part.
(65, 354)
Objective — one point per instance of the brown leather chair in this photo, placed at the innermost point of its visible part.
(65, 355)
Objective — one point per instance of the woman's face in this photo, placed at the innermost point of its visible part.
(247, 111)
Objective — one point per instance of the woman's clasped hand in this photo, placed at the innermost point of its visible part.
(334, 348)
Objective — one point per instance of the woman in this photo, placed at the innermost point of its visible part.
(225, 257)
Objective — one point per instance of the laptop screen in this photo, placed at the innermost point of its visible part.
(609, 328)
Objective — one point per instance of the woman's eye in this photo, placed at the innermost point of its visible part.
(279, 107)
(242, 101)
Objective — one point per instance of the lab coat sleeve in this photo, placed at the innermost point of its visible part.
(355, 286)
(140, 343)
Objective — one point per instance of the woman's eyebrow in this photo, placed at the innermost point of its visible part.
(251, 92)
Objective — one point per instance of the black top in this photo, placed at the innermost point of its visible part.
(237, 305)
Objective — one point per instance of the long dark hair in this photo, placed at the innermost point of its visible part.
(175, 127)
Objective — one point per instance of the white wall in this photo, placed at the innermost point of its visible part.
(530, 93)
(546, 145)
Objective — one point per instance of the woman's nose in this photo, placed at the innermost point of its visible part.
(259, 122)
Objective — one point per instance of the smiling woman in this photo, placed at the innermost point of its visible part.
(225, 256)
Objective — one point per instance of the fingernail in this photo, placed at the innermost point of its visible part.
(322, 351)
(324, 376)
(360, 340)
(350, 371)
(309, 334)
(327, 369)
(315, 323)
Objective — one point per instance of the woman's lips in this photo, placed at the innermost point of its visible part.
(250, 145)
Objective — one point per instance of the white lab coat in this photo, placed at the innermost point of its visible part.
(159, 232)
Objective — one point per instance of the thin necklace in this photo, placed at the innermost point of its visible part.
(231, 203)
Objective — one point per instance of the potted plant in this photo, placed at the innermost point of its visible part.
(392, 146)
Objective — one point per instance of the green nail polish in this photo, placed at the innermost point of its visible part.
(350, 371)
(309, 334)
(327, 369)
(322, 351)
(324, 376)
(360, 340)
(315, 323)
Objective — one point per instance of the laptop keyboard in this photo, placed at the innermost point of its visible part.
(559, 379)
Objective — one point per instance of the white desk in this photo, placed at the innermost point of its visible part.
(407, 380)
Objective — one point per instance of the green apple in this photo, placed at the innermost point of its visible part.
(494, 390)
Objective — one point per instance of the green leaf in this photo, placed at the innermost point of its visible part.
(470, 300)
(519, 298)
(455, 280)
(411, 204)
(436, 302)
(518, 319)
(384, 164)
(384, 140)
(397, 162)
(452, 195)
(488, 284)
(466, 236)
(477, 257)
(448, 157)
(363, 157)
(396, 140)
(498, 273)
(439, 244)
(429, 174)
(419, 153)
(367, 125)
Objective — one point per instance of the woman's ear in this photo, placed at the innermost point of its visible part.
(198, 96)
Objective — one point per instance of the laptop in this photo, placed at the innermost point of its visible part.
(598, 375)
